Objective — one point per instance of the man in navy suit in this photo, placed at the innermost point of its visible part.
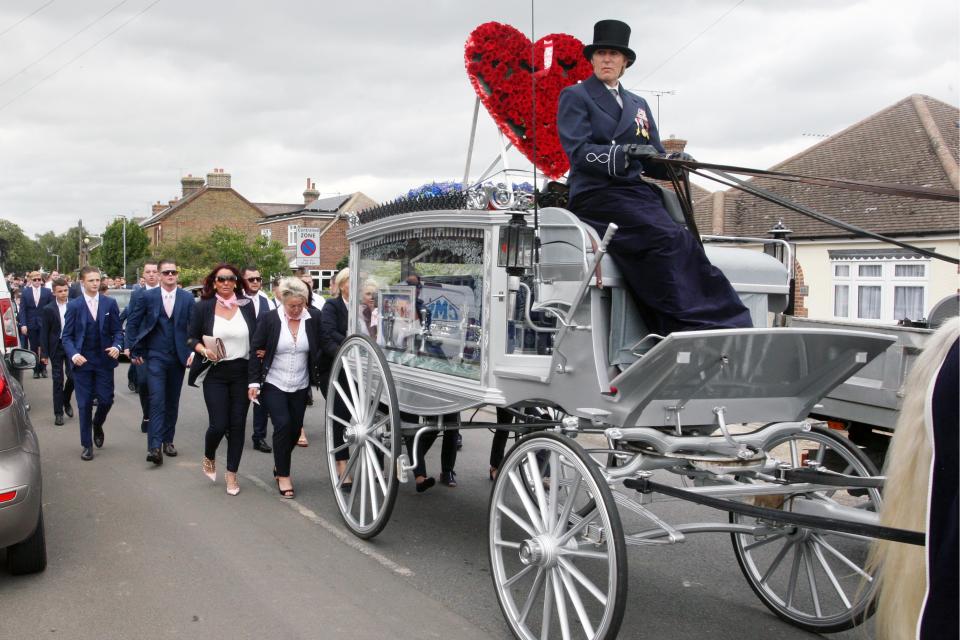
(159, 328)
(92, 338)
(663, 263)
(261, 306)
(137, 375)
(53, 354)
(32, 301)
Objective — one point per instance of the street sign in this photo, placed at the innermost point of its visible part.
(308, 247)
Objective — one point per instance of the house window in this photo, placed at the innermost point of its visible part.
(877, 286)
(326, 278)
(292, 230)
(158, 234)
(267, 233)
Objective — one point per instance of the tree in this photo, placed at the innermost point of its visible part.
(343, 262)
(111, 249)
(196, 255)
(18, 253)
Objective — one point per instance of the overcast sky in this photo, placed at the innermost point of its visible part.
(373, 97)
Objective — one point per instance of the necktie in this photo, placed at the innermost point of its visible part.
(616, 96)
(93, 307)
(36, 296)
(168, 304)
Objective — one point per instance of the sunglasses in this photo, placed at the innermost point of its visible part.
(255, 279)
(226, 278)
(170, 272)
(38, 279)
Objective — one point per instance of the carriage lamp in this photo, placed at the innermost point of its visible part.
(515, 248)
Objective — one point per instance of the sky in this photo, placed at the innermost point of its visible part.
(106, 104)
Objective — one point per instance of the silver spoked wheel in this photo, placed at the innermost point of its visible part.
(557, 574)
(814, 579)
(362, 418)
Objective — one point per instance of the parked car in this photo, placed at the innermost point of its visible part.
(8, 318)
(122, 296)
(21, 488)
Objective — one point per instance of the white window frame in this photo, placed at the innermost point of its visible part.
(887, 281)
(267, 233)
(292, 230)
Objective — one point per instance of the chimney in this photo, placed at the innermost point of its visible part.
(157, 208)
(310, 194)
(218, 179)
(173, 202)
(191, 184)
(674, 145)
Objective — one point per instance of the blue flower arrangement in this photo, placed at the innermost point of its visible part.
(436, 189)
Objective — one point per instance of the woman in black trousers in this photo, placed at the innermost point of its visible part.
(224, 313)
(289, 340)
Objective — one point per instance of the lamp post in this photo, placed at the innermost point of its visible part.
(57, 256)
(124, 218)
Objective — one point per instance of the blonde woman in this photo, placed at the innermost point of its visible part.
(917, 594)
(334, 321)
(289, 340)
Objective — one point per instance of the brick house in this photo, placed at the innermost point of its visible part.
(326, 214)
(840, 276)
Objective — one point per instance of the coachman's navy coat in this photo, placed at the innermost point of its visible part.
(664, 265)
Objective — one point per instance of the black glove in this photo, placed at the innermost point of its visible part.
(640, 151)
(681, 155)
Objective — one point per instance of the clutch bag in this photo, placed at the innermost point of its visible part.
(214, 345)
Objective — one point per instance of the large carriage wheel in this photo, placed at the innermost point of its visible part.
(814, 579)
(361, 384)
(556, 573)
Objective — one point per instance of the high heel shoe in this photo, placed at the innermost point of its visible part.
(286, 493)
(493, 473)
(233, 487)
(210, 469)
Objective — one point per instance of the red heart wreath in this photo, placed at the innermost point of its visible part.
(498, 57)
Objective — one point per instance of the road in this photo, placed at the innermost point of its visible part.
(137, 551)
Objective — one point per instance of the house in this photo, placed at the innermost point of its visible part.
(838, 274)
(212, 202)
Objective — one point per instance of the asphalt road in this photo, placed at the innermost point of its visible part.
(142, 552)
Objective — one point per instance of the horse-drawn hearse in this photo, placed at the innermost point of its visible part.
(488, 299)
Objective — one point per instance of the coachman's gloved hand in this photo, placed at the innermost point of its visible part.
(681, 155)
(640, 151)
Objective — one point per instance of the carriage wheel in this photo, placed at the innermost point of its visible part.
(556, 573)
(370, 420)
(812, 578)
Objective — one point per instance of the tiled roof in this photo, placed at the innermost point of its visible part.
(891, 146)
(333, 203)
(277, 208)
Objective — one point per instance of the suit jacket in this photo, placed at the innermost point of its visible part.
(148, 311)
(264, 307)
(267, 337)
(108, 322)
(593, 129)
(50, 330)
(201, 324)
(334, 318)
(31, 313)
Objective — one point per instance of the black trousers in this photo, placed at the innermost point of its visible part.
(259, 422)
(286, 410)
(140, 377)
(339, 410)
(225, 394)
(500, 437)
(61, 391)
(448, 450)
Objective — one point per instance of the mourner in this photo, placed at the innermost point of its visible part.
(289, 340)
(92, 338)
(137, 374)
(261, 306)
(662, 262)
(221, 328)
(53, 354)
(159, 328)
(32, 301)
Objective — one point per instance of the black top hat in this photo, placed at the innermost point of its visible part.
(611, 34)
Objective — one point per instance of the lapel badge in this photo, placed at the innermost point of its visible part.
(643, 124)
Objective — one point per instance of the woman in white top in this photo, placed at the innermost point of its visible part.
(224, 313)
(284, 359)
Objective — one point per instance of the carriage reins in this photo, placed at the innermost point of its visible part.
(723, 171)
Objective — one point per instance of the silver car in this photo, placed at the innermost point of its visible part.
(21, 512)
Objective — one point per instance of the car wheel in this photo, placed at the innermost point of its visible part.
(29, 556)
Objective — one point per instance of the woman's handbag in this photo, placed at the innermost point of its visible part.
(214, 345)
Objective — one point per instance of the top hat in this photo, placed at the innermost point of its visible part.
(611, 34)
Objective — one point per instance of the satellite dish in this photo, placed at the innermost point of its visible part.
(947, 308)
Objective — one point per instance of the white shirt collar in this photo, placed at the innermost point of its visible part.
(148, 287)
(89, 299)
(282, 312)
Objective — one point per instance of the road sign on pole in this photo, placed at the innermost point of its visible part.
(308, 247)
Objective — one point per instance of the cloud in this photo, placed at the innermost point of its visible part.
(373, 96)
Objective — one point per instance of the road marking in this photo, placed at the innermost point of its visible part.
(336, 531)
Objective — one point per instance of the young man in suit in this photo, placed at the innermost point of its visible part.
(32, 301)
(261, 306)
(137, 375)
(54, 315)
(92, 339)
(664, 265)
(159, 327)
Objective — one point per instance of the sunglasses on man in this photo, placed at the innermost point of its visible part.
(254, 279)
(169, 272)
